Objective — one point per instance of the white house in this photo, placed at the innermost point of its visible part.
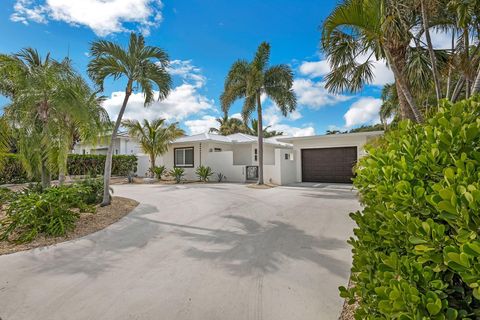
(321, 158)
(124, 144)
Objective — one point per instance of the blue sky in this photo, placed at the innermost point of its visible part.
(203, 38)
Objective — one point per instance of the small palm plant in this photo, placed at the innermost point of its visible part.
(177, 174)
(204, 173)
(143, 67)
(158, 171)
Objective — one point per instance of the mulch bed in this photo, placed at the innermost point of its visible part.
(88, 223)
(348, 310)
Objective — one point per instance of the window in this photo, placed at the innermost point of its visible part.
(255, 157)
(183, 157)
(217, 149)
(287, 156)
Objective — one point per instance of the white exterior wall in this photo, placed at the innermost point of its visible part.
(327, 142)
(243, 154)
(222, 162)
(283, 171)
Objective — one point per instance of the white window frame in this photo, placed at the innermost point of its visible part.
(183, 165)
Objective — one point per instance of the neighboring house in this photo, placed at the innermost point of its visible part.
(123, 144)
(322, 158)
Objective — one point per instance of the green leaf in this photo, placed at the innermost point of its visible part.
(447, 206)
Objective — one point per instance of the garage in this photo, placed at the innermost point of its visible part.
(328, 164)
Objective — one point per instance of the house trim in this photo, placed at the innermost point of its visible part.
(175, 157)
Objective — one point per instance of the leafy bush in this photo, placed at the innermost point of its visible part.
(94, 164)
(177, 174)
(204, 173)
(417, 245)
(12, 170)
(159, 172)
(52, 212)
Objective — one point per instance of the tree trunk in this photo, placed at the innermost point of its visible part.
(458, 89)
(467, 58)
(433, 59)
(449, 81)
(476, 83)
(397, 61)
(45, 175)
(61, 178)
(108, 161)
(152, 165)
(260, 140)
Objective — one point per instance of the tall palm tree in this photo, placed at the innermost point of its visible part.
(144, 67)
(249, 80)
(154, 136)
(378, 29)
(39, 90)
(229, 126)
(266, 133)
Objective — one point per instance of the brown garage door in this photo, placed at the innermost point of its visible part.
(328, 164)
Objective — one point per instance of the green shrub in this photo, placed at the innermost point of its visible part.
(94, 164)
(52, 212)
(416, 251)
(12, 170)
(159, 172)
(204, 173)
(177, 174)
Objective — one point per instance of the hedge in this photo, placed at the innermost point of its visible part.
(13, 171)
(90, 164)
(416, 250)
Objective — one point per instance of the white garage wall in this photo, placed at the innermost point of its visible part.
(348, 140)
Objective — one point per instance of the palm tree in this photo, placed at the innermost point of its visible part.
(389, 106)
(40, 93)
(154, 136)
(143, 67)
(378, 29)
(229, 126)
(249, 80)
(266, 133)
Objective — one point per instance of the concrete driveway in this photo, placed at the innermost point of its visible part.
(198, 251)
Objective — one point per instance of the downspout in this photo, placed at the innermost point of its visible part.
(200, 149)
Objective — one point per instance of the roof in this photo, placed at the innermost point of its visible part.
(328, 136)
(240, 138)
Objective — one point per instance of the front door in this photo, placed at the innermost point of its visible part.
(252, 172)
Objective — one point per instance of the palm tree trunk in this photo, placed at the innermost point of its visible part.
(458, 89)
(449, 80)
(108, 161)
(467, 58)
(260, 140)
(152, 165)
(45, 175)
(476, 83)
(408, 107)
(61, 177)
(430, 51)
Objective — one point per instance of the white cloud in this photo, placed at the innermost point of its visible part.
(102, 16)
(273, 117)
(315, 68)
(183, 101)
(237, 116)
(313, 94)
(201, 125)
(187, 71)
(363, 111)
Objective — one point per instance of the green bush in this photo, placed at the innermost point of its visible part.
(177, 174)
(416, 251)
(12, 170)
(204, 173)
(159, 172)
(52, 212)
(92, 164)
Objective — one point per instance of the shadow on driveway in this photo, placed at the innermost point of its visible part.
(262, 248)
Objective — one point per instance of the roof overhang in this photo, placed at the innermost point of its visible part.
(330, 136)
